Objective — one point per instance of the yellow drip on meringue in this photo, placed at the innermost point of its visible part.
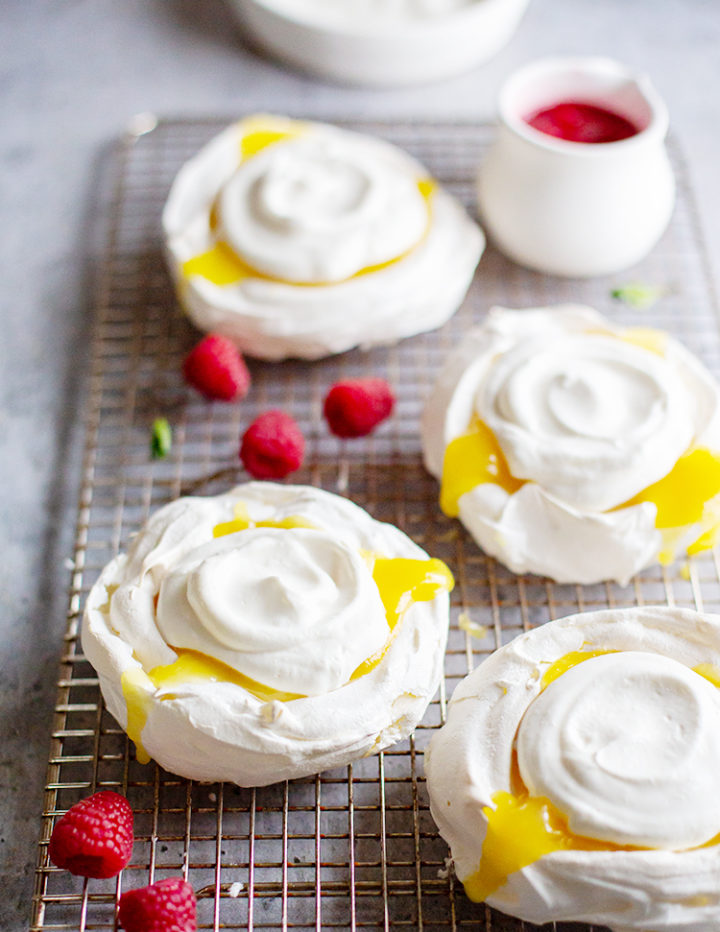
(655, 341)
(193, 665)
(190, 665)
(242, 521)
(709, 672)
(521, 830)
(471, 459)
(567, 662)
(257, 133)
(681, 499)
(400, 582)
(136, 687)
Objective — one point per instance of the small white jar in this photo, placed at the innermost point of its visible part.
(380, 43)
(570, 208)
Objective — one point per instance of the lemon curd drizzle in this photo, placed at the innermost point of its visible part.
(709, 672)
(471, 459)
(523, 828)
(655, 341)
(261, 132)
(400, 582)
(567, 662)
(681, 499)
(647, 338)
(137, 687)
(242, 521)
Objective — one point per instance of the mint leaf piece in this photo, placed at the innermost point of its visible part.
(160, 438)
(637, 294)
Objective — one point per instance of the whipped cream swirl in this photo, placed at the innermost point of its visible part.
(301, 239)
(614, 717)
(592, 420)
(244, 637)
(586, 416)
(316, 211)
(280, 605)
(618, 739)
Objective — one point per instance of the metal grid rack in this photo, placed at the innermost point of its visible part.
(356, 847)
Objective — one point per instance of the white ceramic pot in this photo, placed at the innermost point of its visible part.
(569, 208)
(352, 45)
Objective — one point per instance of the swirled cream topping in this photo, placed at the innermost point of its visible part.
(297, 238)
(575, 777)
(314, 211)
(278, 605)
(268, 603)
(574, 448)
(591, 418)
(617, 738)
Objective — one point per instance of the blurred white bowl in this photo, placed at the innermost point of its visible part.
(380, 50)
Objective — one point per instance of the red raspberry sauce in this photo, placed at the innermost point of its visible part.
(578, 122)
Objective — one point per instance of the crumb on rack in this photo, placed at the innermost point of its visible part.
(465, 623)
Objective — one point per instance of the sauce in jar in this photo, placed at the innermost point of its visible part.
(575, 121)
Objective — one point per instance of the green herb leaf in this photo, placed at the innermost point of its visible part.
(637, 294)
(160, 438)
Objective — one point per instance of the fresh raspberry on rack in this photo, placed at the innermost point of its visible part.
(273, 446)
(354, 407)
(95, 837)
(166, 906)
(216, 369)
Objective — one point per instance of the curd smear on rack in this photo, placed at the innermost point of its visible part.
(574, 448)
(279, 629)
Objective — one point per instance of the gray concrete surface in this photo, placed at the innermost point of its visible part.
(73, 73)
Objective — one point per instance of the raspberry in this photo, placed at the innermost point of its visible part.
(165, 906)
(95, 837)
(272, 446)
(354, 407)
(216, 369)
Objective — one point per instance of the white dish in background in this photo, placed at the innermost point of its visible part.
(381, 43)
(571, 208)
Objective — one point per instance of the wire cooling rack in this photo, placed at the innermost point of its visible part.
(355, 847)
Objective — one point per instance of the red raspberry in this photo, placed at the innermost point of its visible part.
(166, 906)
(354, 407)
(95, 837)
(272, 446)
(216, 369)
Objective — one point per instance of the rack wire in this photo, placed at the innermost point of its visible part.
(354, 848)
